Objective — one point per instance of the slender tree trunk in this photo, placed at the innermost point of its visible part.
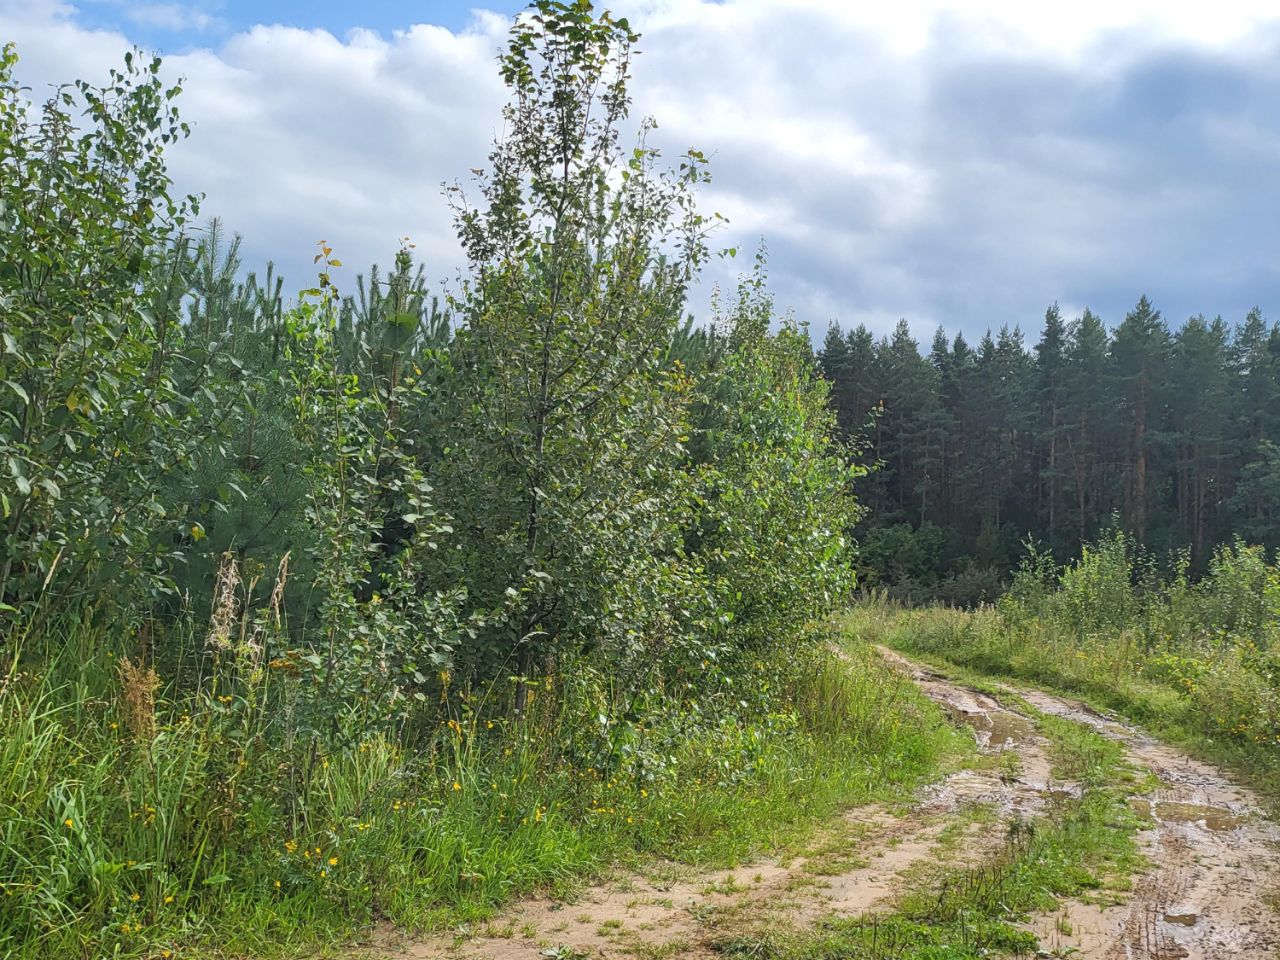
(1139, 504)
(524, 659)
(1053, 471)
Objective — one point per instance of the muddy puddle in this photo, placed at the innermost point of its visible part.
(994, 730)
(1217, 819)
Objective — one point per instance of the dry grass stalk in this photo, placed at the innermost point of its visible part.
(226, 603)
(276, 603)
(255, 641)
(138, 686)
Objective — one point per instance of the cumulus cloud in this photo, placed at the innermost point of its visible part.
(171, 16)
(962, 164)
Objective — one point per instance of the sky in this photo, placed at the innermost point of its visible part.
(958, 163)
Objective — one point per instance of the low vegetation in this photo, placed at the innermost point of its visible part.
(1198, 662)
(137, 820)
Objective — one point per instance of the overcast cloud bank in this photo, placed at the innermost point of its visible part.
(962, 168)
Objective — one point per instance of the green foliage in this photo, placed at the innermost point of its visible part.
(378, 633)
(217, 827)
(1196, 661)
(772, 493)
(495, 592)
(565, 422)
(98, 401)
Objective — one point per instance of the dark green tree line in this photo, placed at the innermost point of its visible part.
(1169, 434)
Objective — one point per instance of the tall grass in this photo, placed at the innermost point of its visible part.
(138, 817)
(1199, 662)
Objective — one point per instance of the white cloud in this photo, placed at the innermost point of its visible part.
(964, 162)
(170, 16)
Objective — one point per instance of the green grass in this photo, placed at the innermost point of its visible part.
(971, 912)
(217, 837)
(1203, 699)
(1079, 847)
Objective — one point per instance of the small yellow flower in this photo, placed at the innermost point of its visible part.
(69, 823)
(277, 884)
(333, 861)
(324, 873)
(291, 845)
(457, 785)
(135, 897)
(168, 899)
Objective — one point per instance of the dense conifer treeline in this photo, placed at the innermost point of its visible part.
(1170, 434)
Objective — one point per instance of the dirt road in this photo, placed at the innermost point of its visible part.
(1209, 890)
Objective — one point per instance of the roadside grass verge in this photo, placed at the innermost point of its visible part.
(1081, 847)
(1205, 702)
(188, 825)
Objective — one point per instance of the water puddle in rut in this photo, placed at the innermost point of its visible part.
(995, 729)
(1217, 819)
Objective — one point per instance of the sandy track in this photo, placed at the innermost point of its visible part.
(1214, 861)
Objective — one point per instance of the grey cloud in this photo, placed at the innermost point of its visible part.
(968, 183)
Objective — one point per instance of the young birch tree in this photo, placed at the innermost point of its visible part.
(566, 423)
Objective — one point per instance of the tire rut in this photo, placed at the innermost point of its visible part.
(1215, 861)
(1212, 855)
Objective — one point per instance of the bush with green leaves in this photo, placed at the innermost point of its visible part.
(772, 488)
(99, 403)
(360, 605)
